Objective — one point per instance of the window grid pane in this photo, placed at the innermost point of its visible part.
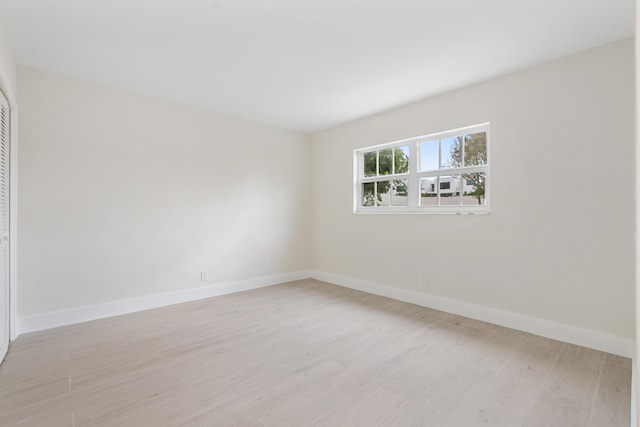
(370, 163)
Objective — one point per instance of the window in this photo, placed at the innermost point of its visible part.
(443, 172)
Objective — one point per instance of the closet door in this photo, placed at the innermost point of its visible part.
(4, 226)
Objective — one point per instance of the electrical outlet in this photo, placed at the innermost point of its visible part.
(203, 276)
(424, 280)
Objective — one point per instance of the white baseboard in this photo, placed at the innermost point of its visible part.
(546, 328)
(559, 331)
(92, 312)
(3, 350)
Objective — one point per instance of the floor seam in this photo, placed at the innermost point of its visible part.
(544, 383)
(595, 392)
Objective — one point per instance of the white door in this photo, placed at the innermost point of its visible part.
(4, 226)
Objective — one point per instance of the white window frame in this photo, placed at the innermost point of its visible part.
(414, 175)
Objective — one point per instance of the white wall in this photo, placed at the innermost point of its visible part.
(7, 68)
(123, 196)
(562, 251)
(635, 385)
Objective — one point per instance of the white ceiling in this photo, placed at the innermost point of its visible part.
(304, 65)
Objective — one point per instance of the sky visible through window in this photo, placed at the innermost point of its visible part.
(429, 154)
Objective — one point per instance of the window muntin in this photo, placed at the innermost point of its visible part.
(443, 172)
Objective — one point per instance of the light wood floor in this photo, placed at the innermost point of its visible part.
(306, 354)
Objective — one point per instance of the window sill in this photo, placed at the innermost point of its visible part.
(406, 211)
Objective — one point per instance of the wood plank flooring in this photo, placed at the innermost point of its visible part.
(306, 354)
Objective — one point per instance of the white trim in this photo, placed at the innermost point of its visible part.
(92, 312)
(13, 226)
(546, 328)
(635, 392)
(10, 94)
(443, 209)
(370, 179)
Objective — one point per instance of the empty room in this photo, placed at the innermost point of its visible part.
(305, 213)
